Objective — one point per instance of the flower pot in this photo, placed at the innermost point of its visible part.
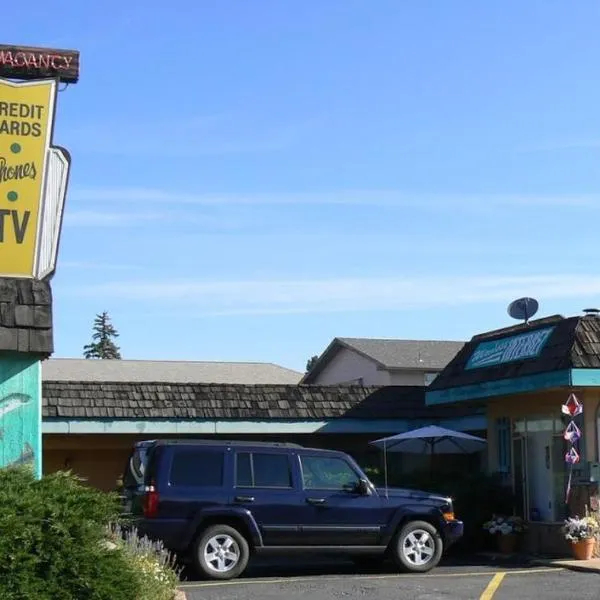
(507, 543)
(584, 549)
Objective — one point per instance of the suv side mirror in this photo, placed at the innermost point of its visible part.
(363, 487)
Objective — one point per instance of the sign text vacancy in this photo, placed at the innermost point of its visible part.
(26, 62)
(26, 117)
(510, 349)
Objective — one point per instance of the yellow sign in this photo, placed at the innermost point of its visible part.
(26, 119)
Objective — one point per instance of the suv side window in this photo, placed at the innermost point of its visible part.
(327, 473)
(263, 470)
(197, 467)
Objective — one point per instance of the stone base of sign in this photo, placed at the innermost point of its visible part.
(26, 317)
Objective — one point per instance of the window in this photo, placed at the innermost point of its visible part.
(243, 473)
(503, 435)
(325, 473)
(263, 470)
(199, 468)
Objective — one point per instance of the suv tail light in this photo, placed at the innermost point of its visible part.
(150, 502)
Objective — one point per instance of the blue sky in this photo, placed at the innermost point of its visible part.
(251, 178)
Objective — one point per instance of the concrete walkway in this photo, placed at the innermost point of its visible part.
(587, 566)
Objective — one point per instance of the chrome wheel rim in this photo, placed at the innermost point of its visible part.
(221, 553)
(418, 547)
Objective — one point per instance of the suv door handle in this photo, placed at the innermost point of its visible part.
(316, 500)
(244, 498)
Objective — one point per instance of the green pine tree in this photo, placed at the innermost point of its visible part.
(103, 344)
(311, 362)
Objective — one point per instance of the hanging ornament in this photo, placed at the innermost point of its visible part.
(572, 433)
(572, 407)
(572, 456)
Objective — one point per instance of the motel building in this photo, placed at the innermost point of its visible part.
(522, 376)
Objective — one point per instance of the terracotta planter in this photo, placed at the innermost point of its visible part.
(507, 544)
(583, 550)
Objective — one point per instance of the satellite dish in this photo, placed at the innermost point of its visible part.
(523, 309)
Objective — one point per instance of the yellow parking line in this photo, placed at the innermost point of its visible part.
(325, 578)
(492, 587)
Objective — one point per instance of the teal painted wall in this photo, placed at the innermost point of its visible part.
(20, 411)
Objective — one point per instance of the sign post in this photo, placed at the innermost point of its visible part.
(33, 185)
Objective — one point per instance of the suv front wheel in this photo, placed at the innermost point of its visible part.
(417, 547)
(221, 552)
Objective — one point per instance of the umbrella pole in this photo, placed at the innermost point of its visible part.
(431, 460)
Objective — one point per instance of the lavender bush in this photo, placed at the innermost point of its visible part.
(155, 565)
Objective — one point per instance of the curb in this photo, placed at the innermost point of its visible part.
(180, 595)
(565, 564)
(555, 563)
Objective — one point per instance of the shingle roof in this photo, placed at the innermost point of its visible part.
(573, 344)
(427, 355)
(407, 354)
(115, 400)
(80, 369)
(26, 316)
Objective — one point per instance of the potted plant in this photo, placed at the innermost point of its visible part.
(581, 533)
(506, 530)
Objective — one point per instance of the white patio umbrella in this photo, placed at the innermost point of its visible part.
(432, 440)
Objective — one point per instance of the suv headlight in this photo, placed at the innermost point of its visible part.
(448, 511)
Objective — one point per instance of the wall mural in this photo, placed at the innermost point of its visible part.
(20, 412)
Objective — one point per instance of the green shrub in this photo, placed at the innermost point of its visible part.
(53, 542)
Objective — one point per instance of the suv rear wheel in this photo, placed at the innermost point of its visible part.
(417, 547)
(221, 552)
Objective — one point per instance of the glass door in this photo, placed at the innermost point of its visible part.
(539, 468)
(539, 475)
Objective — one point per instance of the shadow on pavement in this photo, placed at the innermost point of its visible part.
(321, 566)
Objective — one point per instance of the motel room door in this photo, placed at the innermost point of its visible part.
(539, 471)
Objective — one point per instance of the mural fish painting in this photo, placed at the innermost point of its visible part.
(12, 402)
(17, 442)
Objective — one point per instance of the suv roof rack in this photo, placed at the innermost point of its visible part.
(207, 442)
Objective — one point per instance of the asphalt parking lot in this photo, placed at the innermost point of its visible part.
(447, 582)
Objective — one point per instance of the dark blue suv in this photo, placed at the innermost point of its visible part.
(221, 502)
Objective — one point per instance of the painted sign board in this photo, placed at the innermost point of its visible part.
(33, 179)
(20, 412)
(29, 63)
(509, 349)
